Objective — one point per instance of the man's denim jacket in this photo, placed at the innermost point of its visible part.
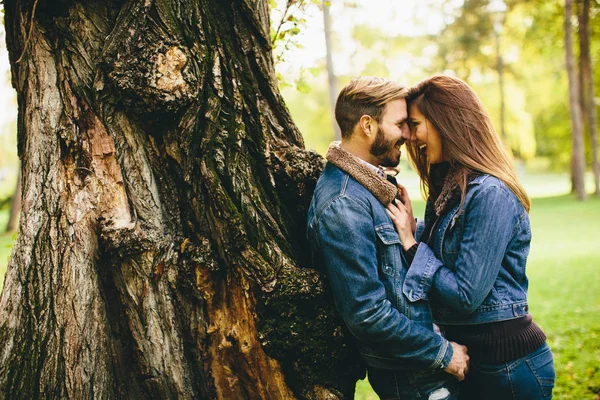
(354, 238)
(474, 271)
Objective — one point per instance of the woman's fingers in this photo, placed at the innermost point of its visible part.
(401, 207)
(392, 216)
(397, 213)
(402, 188)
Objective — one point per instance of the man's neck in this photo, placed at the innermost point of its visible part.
(359, 150)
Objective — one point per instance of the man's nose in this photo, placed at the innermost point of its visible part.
(407, 133)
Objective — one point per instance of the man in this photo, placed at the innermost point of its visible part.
(353, 236)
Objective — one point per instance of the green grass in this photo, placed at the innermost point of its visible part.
(564, 291)
(564, 272)
(6, 243)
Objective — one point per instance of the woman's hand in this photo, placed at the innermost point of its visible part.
(401, 218)
(405, 199)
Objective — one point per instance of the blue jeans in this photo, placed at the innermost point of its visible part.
(528, 378)
(413, 385)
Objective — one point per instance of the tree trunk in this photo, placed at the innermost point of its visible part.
(161, 252)
(588, 102)
(331, 76)
(15, 206)
(578, 155)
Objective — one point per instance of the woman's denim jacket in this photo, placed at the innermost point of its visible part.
(354, 238)
(474, 271)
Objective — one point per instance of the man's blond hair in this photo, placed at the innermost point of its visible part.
(365, 95)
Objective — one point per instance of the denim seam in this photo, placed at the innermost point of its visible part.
(440, 356)
(445, 229)
(425, 277)
(340, 196)
(510, 383)
(396, 383)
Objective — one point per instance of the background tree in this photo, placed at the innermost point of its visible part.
(332, 78)
(586, 79)
(161, 249)
(578, 157)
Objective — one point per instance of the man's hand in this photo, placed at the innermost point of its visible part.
(459, 365)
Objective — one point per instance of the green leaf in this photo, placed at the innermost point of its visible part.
(302, 86)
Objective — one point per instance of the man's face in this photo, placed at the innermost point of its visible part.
(392, 132)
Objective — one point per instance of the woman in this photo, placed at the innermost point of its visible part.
(473, 245)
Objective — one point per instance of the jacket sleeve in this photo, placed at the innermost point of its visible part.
(420, 228)
(489, 221)
(347, 241)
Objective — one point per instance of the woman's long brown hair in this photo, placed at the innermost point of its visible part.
(469, 141)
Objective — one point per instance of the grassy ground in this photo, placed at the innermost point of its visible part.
(564, 272)
(564, 292)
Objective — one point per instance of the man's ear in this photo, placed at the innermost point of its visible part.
(367, 125)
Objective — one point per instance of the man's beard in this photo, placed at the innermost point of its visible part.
(384, 150)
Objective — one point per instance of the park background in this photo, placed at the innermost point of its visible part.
(513, 54)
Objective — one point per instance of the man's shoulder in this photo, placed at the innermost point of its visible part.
(335, 182)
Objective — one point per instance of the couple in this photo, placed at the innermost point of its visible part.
(462, 268)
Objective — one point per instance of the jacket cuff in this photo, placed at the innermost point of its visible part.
(420, 228)
(444, 356)
(419, 277)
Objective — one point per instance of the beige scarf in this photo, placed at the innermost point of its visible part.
(383, 190)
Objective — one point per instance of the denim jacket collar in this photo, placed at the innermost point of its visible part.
(383, 190)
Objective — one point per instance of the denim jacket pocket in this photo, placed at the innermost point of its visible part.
(390, 248)
(453, 236)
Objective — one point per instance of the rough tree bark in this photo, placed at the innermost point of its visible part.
(161, 249)
(586, 79)
(577, 155)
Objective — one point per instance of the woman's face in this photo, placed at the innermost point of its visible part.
(427, 137)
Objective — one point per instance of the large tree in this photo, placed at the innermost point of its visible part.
(161, 249)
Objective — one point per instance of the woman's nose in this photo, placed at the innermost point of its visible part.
(407, 134)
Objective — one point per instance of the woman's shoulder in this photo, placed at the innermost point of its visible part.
(486, 181)
(485, 185)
